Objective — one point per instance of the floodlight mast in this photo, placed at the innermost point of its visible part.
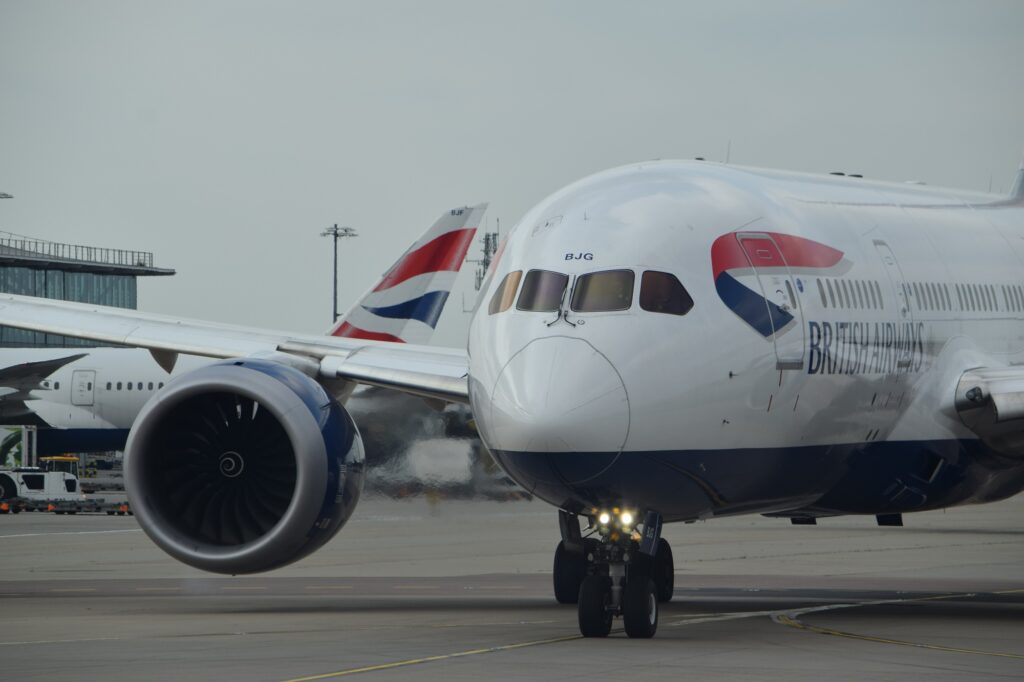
(337, 232)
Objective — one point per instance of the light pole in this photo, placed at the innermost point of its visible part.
(336, 232)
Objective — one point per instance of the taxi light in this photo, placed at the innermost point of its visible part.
(604, 518)
(626, 518)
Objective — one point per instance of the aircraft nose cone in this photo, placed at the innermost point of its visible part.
(559, 394)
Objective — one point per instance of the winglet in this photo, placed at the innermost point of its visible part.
(405, 305)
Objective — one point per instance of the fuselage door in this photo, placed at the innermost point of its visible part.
(904, 313)
(782, 304)
(83, 382)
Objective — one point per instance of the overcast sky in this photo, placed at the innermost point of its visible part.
(224, 136)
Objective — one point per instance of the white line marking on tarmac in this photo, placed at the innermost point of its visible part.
(796, 613)
(792, 619)
(72, 532)
(61, 641)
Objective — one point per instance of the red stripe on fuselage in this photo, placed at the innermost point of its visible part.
(443, 253)
(726, 253)
(351, 332)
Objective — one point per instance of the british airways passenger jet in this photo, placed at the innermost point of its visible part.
(662, 342)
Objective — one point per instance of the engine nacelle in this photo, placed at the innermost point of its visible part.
(243, 466)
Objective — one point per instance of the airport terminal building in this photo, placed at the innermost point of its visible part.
(69, 272)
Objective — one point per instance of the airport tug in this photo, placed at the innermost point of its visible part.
(619, 568)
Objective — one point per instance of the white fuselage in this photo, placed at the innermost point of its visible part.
(893, 292)
(103, 390)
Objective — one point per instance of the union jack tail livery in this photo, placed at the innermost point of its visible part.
(405, 305)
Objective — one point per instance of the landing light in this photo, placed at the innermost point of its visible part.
(604, 518)
(627, 519)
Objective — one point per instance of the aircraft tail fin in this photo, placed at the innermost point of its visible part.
(406, 303)
(1017, 191)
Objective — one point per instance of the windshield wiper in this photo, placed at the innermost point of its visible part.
(563, 314)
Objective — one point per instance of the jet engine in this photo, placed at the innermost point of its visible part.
(243, 466)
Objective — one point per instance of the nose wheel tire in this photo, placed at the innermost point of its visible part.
(639, 609)
(569, 570)
(664, 571)
(595, 616)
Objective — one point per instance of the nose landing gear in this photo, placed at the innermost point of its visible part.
(616, 572)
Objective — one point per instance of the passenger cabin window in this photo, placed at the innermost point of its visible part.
(542, 291)
(600, 292)
(661, 292)
(505, 294)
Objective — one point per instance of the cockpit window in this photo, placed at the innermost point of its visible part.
(542, 291)
(600, 292)
(505, 293)
(661, 292)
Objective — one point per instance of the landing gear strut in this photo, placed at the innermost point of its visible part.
(617, 571)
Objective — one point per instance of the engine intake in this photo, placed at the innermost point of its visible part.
(243, 466)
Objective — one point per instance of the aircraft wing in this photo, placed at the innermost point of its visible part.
(421, 370)
(1000, 391)
(16, 381)
(990, 401)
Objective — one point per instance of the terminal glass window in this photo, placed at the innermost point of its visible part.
(542, 291)
(600, 292)
(85, 287)
(505, 294)
(661, 292)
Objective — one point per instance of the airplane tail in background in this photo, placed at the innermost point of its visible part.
(1017, 191)
(405, 305)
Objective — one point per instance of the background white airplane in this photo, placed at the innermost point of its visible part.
(667, 341)
(85, 400)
